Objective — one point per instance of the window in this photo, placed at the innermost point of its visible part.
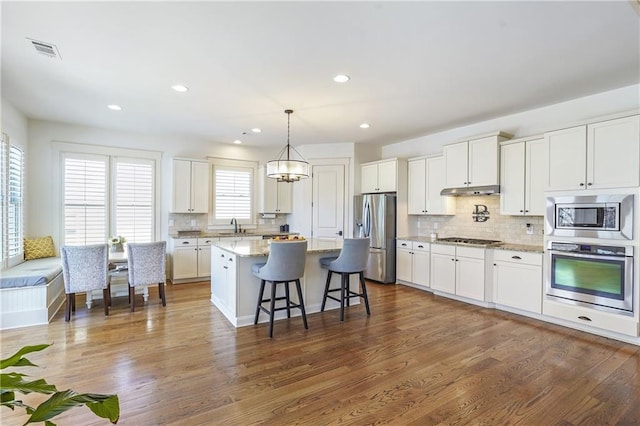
(233, 193)
(12, 196)
(134, 199)
(108, 194)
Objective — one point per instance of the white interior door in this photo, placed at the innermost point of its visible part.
(328, 201)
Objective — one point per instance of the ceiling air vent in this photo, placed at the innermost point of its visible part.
(47, 49)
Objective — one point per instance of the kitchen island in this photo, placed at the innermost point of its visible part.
(234, 289)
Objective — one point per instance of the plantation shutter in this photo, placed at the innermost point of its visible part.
(85, 199)
(15, 201)
(134, 200)
(233, 193)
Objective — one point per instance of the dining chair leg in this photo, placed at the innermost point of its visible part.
(109, 293)
(260, 296)
(364, 292)
(67, 310)
(73, 302)
(132, 298)
(348, 288)
(272, 306)
(287, 298)
(301, 302)
(105, 300)
(162, 295)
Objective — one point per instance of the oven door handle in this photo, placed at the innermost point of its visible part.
(590, 256)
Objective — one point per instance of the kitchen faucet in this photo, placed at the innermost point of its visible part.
(234, 222)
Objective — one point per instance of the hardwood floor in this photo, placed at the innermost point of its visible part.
(418, 360)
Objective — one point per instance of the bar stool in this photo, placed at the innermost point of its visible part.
(353, 259)
(285, 264)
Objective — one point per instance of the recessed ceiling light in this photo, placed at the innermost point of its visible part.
(256, 130)
(180, 88)
(341, 78)
(237, 141)
(114, 107)
(365, 125)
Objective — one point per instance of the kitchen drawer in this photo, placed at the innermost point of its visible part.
(443, 249)
(472, 252)
(406, 244)
(591, 317)
(518, 257)
(185, 242)
(207, 241)
(421, 246)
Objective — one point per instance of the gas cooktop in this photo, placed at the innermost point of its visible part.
(470, 241)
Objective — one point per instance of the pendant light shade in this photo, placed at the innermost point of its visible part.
(286, 168)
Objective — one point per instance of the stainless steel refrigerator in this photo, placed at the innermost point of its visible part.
(375, 217)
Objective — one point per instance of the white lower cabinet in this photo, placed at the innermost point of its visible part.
(412, 262)
(458, 270)
(517, 280)
(191, 259)
(223, 277)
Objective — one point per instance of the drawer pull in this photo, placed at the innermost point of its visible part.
(420, 246)
(186, 242)
(516, 257)
(583, 318)
(404, 245)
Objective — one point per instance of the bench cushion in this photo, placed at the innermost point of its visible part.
(31, 273)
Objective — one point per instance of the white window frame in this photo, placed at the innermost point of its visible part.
(60, 149)
(8, 259)
(222, 163)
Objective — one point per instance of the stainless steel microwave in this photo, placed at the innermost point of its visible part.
(591, 216)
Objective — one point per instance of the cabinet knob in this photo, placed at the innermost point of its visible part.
(457, 260)
(526, 211)
(453, 260)
(581, 184)
(495, 264)
(521, 211)
(589, 184)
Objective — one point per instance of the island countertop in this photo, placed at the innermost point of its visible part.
(250, 248)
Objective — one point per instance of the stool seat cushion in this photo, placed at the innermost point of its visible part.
(255, 268)
(325, 262)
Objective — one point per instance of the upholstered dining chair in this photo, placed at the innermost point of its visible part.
(285, 264)
(146, 263)
(84, 269)
(353, 259)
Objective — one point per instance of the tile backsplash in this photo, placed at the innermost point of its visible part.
(510, 229)
(200, 222)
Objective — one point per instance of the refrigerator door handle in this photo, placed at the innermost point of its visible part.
(367, 219)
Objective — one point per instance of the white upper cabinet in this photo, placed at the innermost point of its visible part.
(522, 178)
(190, 192)
(595, 156)
(474, 162)
(425, 181)
(275, 197)
(380, 176)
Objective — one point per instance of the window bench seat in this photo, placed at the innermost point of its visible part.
(31, 293)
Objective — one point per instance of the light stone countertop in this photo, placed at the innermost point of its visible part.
(227, 234)
(502, 246)
(248, 248)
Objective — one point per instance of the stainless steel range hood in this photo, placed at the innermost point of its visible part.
(472, 190)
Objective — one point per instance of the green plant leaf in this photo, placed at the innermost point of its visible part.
(60, 402)
(13, 382)
(17, 360)
(107, 409)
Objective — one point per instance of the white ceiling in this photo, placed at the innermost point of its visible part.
(416, 67)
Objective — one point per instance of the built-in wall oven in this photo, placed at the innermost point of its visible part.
(607, 216)
(597, 276)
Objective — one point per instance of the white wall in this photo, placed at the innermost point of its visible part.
(526, 123)
(41, 199)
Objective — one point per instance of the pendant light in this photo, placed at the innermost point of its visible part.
(285, 168)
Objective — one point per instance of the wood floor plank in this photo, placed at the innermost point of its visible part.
(418, 359)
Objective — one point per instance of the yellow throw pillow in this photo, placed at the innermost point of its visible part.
(36, 248)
